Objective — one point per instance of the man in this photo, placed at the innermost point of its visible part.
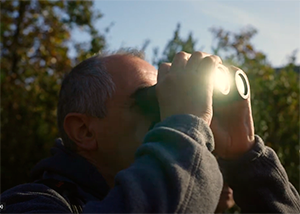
(117, 165)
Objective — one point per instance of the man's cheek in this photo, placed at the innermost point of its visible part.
(141, 130)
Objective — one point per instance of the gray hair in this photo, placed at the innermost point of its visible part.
(85, 90)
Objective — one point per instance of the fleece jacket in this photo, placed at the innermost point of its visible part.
(174, 172)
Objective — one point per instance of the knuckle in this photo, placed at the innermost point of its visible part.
(198, 54)
(217, 58)
(209, 59)
(164, 66)
(181, 55)
(201, 54)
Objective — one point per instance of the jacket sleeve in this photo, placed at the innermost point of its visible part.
(174, 172)
(260, 183)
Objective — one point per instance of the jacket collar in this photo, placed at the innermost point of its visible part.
(73, 167)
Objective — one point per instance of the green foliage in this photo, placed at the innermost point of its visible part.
(35, 40)
(174, 46)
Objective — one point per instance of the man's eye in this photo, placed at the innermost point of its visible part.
(144, 108)
(140, 108)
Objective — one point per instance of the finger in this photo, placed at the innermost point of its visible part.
(204, 54)
(232, 69)
(206, 70)
(194, 61)
(217, 59)
(179, 62)
(163, 70)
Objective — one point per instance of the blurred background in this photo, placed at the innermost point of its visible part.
(42, 40)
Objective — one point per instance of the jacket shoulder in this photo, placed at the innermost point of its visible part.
(34, 197)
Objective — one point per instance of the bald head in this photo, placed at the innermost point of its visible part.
(130, 73)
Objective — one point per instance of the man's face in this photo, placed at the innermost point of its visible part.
(122, 131)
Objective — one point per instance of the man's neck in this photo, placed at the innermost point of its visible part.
(107, 172)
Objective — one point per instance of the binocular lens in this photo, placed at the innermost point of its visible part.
(222, 79)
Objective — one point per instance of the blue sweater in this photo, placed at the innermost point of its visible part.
(174, 172)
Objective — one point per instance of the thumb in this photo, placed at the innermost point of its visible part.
(163, 69)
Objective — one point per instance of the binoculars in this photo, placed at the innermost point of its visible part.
(229, 86)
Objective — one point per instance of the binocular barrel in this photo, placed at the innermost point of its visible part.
(230, 85)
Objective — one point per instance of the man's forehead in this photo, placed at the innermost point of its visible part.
(130, 72)
(127, 67)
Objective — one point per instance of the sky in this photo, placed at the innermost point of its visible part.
(134, 22)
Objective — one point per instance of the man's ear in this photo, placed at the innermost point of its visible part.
(78, 127)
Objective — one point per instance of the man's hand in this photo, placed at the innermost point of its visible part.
(186, 86)
(233, 128)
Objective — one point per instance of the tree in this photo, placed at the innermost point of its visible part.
(35, 40)
(174, 46)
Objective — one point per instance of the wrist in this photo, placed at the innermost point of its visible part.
(236, 153)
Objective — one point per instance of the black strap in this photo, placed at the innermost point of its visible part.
(67, 190)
